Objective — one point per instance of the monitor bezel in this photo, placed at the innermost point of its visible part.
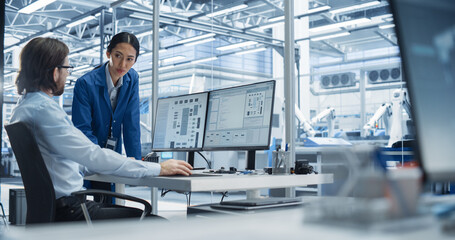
(427, 175)
(242, 148)
(180, 149)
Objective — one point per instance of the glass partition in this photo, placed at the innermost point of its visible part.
(348, 70)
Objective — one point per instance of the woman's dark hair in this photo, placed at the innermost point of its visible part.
(38, 59)
(124, 37)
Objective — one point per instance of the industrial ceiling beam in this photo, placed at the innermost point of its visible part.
(389, 38)
(26, 39)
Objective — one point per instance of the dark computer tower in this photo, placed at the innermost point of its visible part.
(17, 206)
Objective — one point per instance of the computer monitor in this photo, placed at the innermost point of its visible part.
(180, 123)
(240, 118)
(426, 36)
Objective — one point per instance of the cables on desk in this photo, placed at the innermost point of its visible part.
(164, 191)
(187, 195)
(225, 194)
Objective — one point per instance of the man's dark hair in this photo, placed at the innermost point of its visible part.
(38, 59)
(124, 37)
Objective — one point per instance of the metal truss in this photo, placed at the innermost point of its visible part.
(180, 18)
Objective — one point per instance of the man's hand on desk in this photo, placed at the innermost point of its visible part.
(175, 167)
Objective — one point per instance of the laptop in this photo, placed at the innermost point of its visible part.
(259, 203)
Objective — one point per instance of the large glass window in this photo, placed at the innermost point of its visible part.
(347, 60)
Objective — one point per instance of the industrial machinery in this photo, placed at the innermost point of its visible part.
(384, 112)
(329, 115)
(304, 123)
(393, 117)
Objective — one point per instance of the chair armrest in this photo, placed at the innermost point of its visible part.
(82, 194)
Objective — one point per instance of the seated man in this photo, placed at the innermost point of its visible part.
(66, 151)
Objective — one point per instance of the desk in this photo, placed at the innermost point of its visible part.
(227, 182)
(286, 224)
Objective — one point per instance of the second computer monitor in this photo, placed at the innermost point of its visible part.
(426, 35)
(180, 123)
(239, 118)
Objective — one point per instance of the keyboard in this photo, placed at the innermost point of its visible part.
(196, 175)
(256, 204)
(261, 201)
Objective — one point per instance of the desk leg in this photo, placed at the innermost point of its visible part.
(319, 169)
(290, 192)
(154, 200)
(253, 194)
(120, 188)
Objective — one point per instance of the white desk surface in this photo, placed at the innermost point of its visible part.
(225, 182)
(288, 224)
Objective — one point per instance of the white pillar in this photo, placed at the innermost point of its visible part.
(156, 46)
(302, 31)
(278, 72)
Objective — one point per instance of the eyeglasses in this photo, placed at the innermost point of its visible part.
(69, 68)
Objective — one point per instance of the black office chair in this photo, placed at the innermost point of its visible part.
(3, 215)
(39, 190)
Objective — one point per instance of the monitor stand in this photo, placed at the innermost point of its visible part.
(190, 158)
(251, 160)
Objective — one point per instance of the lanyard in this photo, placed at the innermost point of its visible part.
(111, 142)
(110, 128)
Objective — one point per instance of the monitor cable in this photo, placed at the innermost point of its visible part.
(188, 198)
(164, 192)
(208, 163)
(187, 195)
(225, 194)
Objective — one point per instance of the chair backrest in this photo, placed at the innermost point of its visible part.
(39, 190)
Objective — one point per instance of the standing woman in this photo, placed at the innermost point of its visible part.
(106, 101)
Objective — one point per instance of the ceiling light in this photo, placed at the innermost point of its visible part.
(80, 68)
(275, 19)
(314, 39)
(199, 42)
(389, 19)
(251, 51)
(309, 12)
(83, 20)
(46, 34)
(72, 55)
(146, 33)
(270, 25)
(69, 88)
(340, 24)
(236, 45)
(71, 79)
(191, 39)
(8, 87)
(232, 9)
(204, 60)
(172, 59)
(318, 9)
(387, 26)
(35, 6)
(355, 7)
(151, 52)
(166, 67)
(9, 74)
(388, 15)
